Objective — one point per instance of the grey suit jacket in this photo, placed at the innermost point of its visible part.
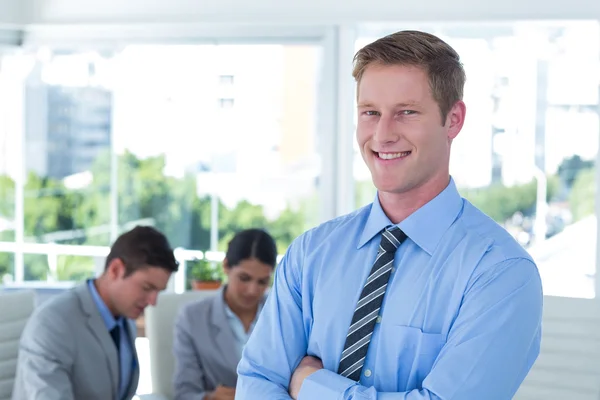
(205, 350)
(66, 352)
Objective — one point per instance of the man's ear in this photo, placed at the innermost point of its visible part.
(456, 119)
(115, 269)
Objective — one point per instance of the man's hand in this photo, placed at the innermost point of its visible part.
(221, 393)
(307, 366)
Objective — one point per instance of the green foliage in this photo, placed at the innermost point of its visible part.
(74, 268)
(7, 209)
(7, 197)
(287, 227)
(245, 215)
(7, 261)
(145, 194)
(582, 199)
(53, 211)
(364, 193)
(500, 202)
(36, 267)
(203, 270)
(570, 168)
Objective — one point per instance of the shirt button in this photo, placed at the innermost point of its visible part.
(367, 373)
(379, 319)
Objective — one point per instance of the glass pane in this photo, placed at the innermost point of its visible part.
(12, 68)
(220, 143)
(68, 135)
(72, 268)
(199, 141)
(526, 155)
(7, 263)
(36, 267)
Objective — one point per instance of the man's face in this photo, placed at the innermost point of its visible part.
(130, 295)
(399, 129)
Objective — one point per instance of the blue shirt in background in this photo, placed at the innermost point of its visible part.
(460, 319)
(239, 332)
(126, 352)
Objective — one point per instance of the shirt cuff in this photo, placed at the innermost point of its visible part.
(324, 384)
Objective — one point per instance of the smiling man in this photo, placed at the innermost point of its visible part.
(81, 344)
(418, 295)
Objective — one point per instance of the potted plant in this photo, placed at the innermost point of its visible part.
(204, 275)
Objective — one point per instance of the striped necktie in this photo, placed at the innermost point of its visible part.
(369, 304)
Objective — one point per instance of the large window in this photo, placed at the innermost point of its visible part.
(10, 88)
(526, 155)
(198, 140)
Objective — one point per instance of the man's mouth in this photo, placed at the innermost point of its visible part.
(392, 156)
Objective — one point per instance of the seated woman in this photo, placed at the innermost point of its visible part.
(210, 334)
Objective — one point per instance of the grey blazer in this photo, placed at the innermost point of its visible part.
(204, 348)
(66, 352)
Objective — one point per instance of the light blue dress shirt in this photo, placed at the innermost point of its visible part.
(239, 332)
(461, 318)
(126, 362)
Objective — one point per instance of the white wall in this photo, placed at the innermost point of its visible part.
(12, 12)
(301, 11)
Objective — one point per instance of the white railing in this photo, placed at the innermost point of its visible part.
(53, 250)
(99, 253)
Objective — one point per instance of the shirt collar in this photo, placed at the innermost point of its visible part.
(107, 316)
(229, 312)
(426, 226)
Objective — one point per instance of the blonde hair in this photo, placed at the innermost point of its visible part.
(424, 50)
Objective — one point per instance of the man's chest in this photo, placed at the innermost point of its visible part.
(422, 291)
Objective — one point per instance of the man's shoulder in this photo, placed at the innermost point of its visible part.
(477, 223)
(57, 310)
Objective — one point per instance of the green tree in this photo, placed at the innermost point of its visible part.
(74, 268)
(364, 192)
(7, 197)
(48, 209)
(288, 226)
(43, 206)
(52, 211)
(498, 201)
(245, 215)
(7, 209)
(144, 193)
(571, 167)
(502, 202)
(582, 199)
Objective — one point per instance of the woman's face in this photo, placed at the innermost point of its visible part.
(247, 282)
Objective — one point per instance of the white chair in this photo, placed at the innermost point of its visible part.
(15, 309)
(160, 323)
(568, 366)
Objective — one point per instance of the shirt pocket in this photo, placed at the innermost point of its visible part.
(411, 352)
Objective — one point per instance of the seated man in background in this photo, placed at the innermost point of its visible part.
(80, 344)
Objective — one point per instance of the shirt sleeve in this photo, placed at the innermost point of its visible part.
(279, 340)
(491, 346)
